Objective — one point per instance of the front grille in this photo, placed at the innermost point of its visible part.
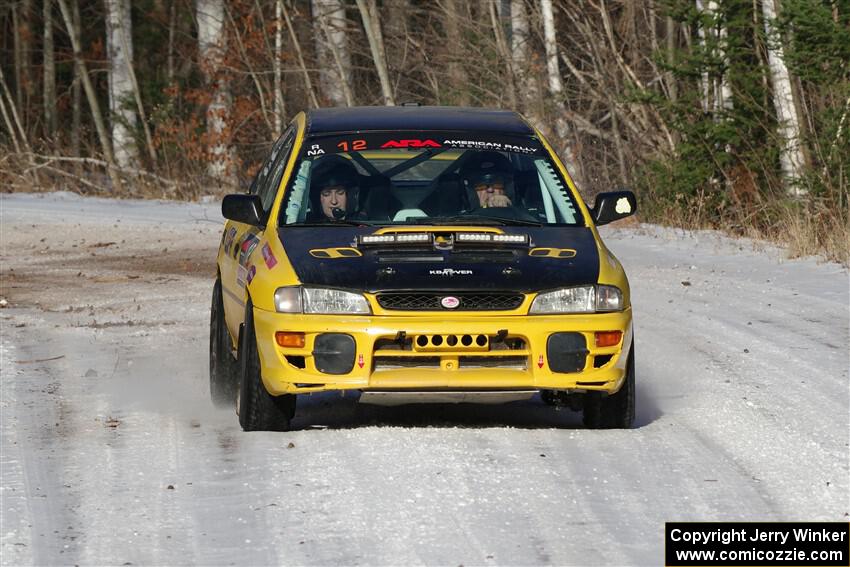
(430, 301)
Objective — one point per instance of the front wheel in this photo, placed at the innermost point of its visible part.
(616, 411)
(223, 369)
(258, 410)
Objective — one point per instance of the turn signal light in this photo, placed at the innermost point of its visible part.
(608, 338)
(289, 340)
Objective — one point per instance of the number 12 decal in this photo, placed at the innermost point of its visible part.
(356, 145)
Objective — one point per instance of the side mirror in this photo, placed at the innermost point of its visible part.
(612, 206)
(242, 208)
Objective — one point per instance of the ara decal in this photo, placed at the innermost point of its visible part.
(249, 242)
(411, 144)
(540, 362)
(360, 361)
(268, 256)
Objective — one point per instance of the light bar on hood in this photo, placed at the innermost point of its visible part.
(397, 238)
(488, 237)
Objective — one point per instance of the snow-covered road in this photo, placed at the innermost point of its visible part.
(113, 454)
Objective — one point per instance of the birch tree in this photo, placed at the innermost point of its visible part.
(372, 26)
(211, 45)
(120, 58)
(562, 128)
(91, 95)
(329, 24)
(521, 53)
(791, 156)
(716, 92)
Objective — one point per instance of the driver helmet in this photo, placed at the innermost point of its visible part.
(488, 167)
(334, 171)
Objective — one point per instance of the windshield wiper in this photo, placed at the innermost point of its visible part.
(475, 219)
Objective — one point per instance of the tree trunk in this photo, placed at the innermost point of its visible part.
(15, 115)
(73, 33)
(458, 80)
(211, 47)
(49, 90)
(509, 87)
(27, 79)
(76, 90)
(332, 48)
(172, 23)
(791, 156)
(277, 96)
(372, 26)
(528, 84)
(120, 58)
(562, 128)
(672, 86)
(705, 83)
(311, 92)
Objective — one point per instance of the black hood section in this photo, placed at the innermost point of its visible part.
(492, 268)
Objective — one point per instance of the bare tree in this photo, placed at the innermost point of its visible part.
(76, 90)
(120, 59)
(308, 83)
(332, 48)
(562, 128)
(791, 157)
(49, 86)
(372, 26)
(91, 95)
(211, 45)
(527, 83)
(458, 79)
(279, 110)
(26, 82)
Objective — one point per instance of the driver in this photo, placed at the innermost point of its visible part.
(490, 177)
(333, 192)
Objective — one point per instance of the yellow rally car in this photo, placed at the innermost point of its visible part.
(419, 254)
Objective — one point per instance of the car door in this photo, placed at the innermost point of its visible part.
(241, 240)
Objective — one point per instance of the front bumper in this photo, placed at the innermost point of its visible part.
(514, 356)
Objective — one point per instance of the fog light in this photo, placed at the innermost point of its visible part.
(608, 338)
(289, 340)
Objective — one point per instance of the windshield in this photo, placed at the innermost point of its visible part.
(387, 179)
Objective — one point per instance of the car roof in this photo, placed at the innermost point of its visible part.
(445, 118)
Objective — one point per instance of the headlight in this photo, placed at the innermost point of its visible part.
(581, 299)
(320, 300)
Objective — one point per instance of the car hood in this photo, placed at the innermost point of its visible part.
(563, 256)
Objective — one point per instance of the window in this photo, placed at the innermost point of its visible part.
(268, 178)
(440, 184)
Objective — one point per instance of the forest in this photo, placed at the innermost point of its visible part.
(726, 114)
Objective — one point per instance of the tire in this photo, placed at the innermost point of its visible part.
(223, 368)
(616, 411)
(258, 410)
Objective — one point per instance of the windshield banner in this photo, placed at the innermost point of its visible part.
(423, 140)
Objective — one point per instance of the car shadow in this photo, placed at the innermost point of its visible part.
(328, 410)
